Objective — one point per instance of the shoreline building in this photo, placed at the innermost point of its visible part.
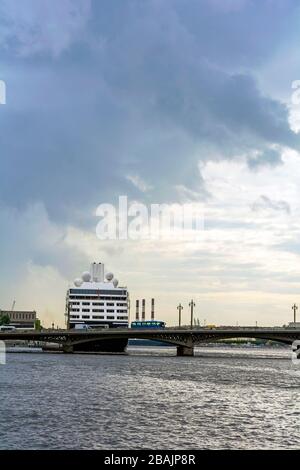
(20, 319)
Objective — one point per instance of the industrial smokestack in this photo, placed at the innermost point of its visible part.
(143, 310)
(152, 309)
(137, 314)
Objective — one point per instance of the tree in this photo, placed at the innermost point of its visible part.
(37, 325)
(4, 319)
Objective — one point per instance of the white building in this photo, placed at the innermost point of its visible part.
(21, 319)
(97, 300)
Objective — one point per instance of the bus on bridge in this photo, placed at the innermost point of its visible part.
(148, 324)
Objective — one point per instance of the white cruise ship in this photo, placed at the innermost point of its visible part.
(96, 300)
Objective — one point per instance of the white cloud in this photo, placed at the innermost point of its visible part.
(241, 235)
(139, 183)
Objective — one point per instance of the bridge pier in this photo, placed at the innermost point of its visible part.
(68, 348)
(185, 351)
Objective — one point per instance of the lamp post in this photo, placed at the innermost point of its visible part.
(192, 305)
(295, 308)
(179, 308)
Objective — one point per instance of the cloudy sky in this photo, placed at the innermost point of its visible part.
(165, 101)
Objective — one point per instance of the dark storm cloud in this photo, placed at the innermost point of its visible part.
(147, 88)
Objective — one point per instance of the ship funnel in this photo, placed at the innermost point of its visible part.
(152, 309)
(143, 309)
(97, 272)
(137, 313)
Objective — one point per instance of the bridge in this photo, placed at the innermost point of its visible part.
(183, 339)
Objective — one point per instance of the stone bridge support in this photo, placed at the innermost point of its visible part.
(185, 350)
(68, 348)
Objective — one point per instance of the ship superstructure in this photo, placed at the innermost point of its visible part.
(97, 300)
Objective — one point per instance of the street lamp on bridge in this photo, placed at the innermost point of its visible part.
(179, 308)
(192, 305)
(295, 308)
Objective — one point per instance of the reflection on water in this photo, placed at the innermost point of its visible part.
(222, 398)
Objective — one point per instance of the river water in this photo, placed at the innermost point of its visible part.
(223, 398)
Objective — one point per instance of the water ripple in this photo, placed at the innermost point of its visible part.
(217, 400)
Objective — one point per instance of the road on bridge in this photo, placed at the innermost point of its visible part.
(184, 339)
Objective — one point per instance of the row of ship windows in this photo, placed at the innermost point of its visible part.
(109, 304)
(94, 297)
(98, 291)
(98, 317)
(98, 310)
